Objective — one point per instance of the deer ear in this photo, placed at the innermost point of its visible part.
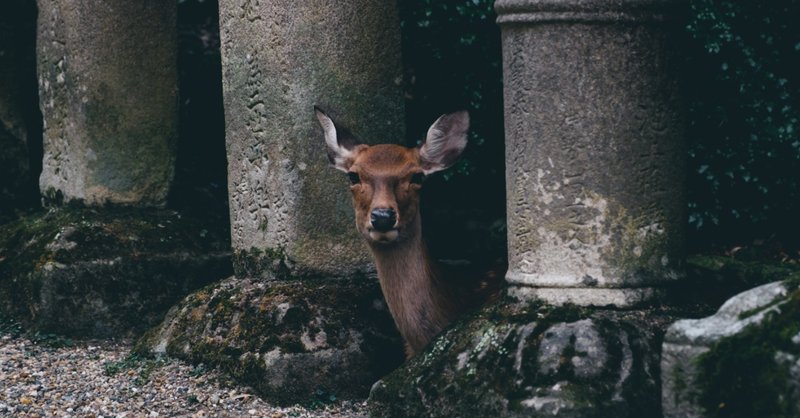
(446, 139)
(338, 140)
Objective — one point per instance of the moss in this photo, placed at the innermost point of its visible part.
(268, 263)
(680, 383)
(143, 366)
(638, 252)
(740, 377)
(750, 312)
(488, 365)
(715, 279)
(243, 320)
(744, 274)
(98, 271)
(10, 326)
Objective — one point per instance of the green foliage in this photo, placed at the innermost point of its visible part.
(320, 399)
(199, 370)
(142, 366)
(10, 326)
(743, 61)
(52, 340)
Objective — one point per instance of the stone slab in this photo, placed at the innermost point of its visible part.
(753, 342)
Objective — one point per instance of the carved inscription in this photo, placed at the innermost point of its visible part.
(263, 180)
(590, 141)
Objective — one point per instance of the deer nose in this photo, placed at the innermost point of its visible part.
(383, 219)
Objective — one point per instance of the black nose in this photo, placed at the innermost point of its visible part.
(383, 219)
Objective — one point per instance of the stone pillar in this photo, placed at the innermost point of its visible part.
(594, 149)
(108, 94)
(290, 211)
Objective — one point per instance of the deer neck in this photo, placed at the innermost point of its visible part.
(418, 299)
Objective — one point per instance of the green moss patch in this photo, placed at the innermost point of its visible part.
(744, 274)
(513, 359)
(289, 339)
(740, 375)
(261, 262)
(106, 271)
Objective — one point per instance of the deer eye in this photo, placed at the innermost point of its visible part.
(417, 178)
(353, 176)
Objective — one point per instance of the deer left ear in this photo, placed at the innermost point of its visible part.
(445, 142)
(338, 140)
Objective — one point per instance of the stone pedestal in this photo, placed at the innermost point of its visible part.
(742, 361)
(531, 360)
(290, 211)
(594, 150)
(108, 94)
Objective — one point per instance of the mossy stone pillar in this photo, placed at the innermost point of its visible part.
(594, 149)
(290, 211)
(108, 95)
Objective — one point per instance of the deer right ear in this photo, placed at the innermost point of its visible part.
(445, 142)
(338, 140)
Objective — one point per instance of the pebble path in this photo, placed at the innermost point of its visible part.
(95, 379)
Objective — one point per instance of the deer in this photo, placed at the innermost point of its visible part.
(385, 182)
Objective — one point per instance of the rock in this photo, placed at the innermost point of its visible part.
(742, 361)
(105, 273)
(514, 359)
(292, 341)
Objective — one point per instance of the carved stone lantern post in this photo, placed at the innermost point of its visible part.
(594, 150)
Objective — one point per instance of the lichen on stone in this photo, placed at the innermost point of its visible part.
(334, 335)
(742, 375)
(529, 359)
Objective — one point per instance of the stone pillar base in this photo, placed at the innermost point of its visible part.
(596, 297)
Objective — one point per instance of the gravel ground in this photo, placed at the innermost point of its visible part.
(101, 379)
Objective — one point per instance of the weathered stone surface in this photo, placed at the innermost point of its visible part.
(280, 58)
(18, 107)
(108, 94)
(105, 273)
(743, 361)
(594, 148)
(532, 360)
(289, 340)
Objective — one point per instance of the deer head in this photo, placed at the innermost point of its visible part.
(386, 179)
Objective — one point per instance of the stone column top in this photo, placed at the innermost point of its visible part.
(536, 11)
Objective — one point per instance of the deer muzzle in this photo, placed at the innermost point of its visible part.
(383, 219)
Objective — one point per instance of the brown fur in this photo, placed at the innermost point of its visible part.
(421, 298)
(422, 301)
